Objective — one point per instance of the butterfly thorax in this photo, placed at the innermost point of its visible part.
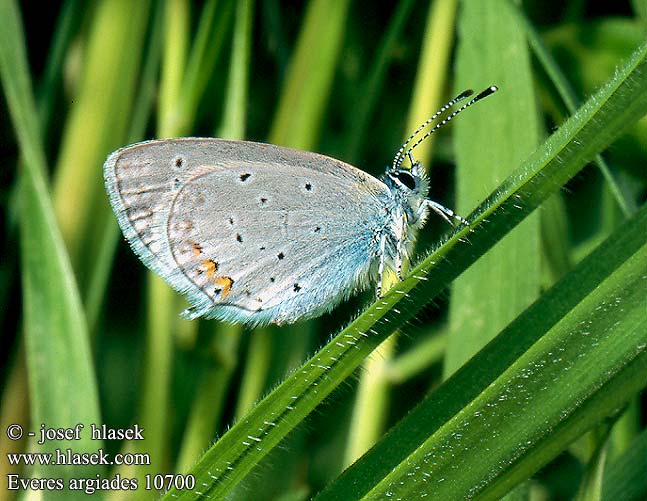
(408, 190)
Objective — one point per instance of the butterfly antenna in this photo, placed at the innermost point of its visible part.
(397, 160)
(405, 149)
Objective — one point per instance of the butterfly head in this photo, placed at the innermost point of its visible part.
(409, 187)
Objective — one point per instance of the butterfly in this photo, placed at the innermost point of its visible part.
(258, 233)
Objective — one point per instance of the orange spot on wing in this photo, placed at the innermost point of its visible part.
(225, 283)
(210, 267)
(197, 248)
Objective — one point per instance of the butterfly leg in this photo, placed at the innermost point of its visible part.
(398, 263)
(399, 252)
(447, 214)
(380, 270)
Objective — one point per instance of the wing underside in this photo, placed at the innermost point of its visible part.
(250, 232)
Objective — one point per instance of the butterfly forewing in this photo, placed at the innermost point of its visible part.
(251, 232)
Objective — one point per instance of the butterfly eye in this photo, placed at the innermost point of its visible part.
(406, 179)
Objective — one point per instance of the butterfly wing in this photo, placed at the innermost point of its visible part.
(250, 232)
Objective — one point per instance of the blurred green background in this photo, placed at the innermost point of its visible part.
(89, 336)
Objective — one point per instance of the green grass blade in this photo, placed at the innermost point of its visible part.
(625, 478)
(234, 117)
(640, 8)
(255, 372)
(489, 145)
(568, 96)
(213, 31)
(591, 484)
(370, 91)
(176, 47)
(432, 70)
(107, 239)
(62, 384)
(371, 404)
(305, 93)
(67, 23)
(592, 361)
(407, 365)
(210, 397)
(492, 391)
(14, 408)
(618, 105)
(106, 89)
(555, 239)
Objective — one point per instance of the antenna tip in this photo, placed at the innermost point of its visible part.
(485, 93)
(464, 94)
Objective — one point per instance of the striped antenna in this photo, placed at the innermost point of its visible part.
(405, 149)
